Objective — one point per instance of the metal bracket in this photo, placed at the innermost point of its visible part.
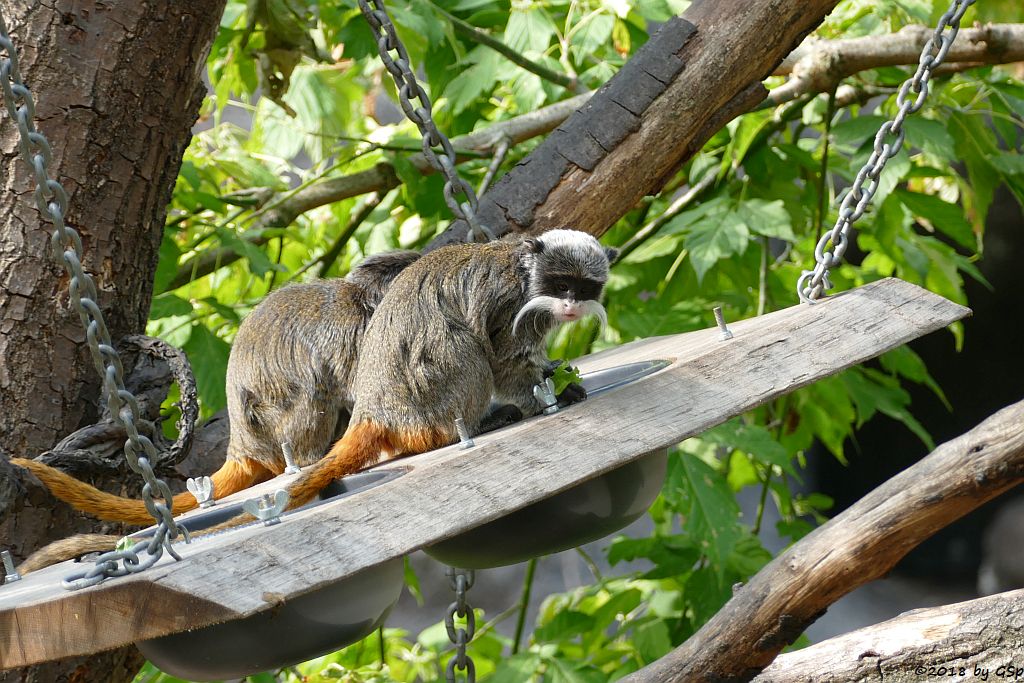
(202, 489)
(545, 393)
(268, 507)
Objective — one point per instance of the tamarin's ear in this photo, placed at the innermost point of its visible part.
(534, 245)
(612, 253)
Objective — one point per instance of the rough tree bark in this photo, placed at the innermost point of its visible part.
(118, 89)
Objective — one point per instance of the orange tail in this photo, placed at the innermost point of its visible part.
(234, 475)
(361, 446)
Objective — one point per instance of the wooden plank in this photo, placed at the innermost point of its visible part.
(451, 490)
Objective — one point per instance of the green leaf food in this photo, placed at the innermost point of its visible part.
(565, 375)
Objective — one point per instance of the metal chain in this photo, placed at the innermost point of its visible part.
(460, 580)
(66, 244)
(409, 88)
(813, 283)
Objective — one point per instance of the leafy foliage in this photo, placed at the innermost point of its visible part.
(300, 103)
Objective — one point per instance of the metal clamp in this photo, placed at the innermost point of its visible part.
(545, 394)
(268, 507)
(201, 489)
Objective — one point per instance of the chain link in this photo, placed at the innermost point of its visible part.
(813, 283)
(460, 580)
(409, 88)
(66, 244)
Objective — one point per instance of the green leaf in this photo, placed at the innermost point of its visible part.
(652, 640)
(671, 555)
(208, 354)
(1010, 164)
(871, 391)
(974, 146)
(620, 603)
(167, 266)
(592, 34)
(709, 508)
(563, 671)
(856, 129)
(754, 440)
(564, 375)
(566, 624)
(258, 261)
(941, 215)
(167, 305)
(716, 237)
(768, 218)
(528, 30)
(749, 556)
(471, 84)
(412, 582)
(516, 669)
(930, 136)
(905, 362)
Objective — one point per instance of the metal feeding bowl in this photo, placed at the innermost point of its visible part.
(305, 627)
(579, 515)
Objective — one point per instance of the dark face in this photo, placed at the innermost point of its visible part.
(569, 287)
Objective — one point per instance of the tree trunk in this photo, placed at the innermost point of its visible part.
(117, 86)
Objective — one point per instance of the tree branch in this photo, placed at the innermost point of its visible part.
(861, 544)
(380, 178)
(818, 65)
(968, 640)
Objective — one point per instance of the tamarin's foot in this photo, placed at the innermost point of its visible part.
(501, 416)
(573, 393)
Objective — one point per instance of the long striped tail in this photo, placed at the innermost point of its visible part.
(234, 475)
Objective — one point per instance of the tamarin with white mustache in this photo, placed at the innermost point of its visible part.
(462, 324)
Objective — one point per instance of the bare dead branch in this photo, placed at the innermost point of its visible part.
(965, 641)
(818, 65)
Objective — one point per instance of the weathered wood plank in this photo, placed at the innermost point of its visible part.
(451, 490)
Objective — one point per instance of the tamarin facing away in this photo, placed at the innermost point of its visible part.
(463, 323)
(289, 380)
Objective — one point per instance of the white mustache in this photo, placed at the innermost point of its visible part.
(551, 305)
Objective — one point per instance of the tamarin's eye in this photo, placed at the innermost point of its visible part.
(563, 286)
